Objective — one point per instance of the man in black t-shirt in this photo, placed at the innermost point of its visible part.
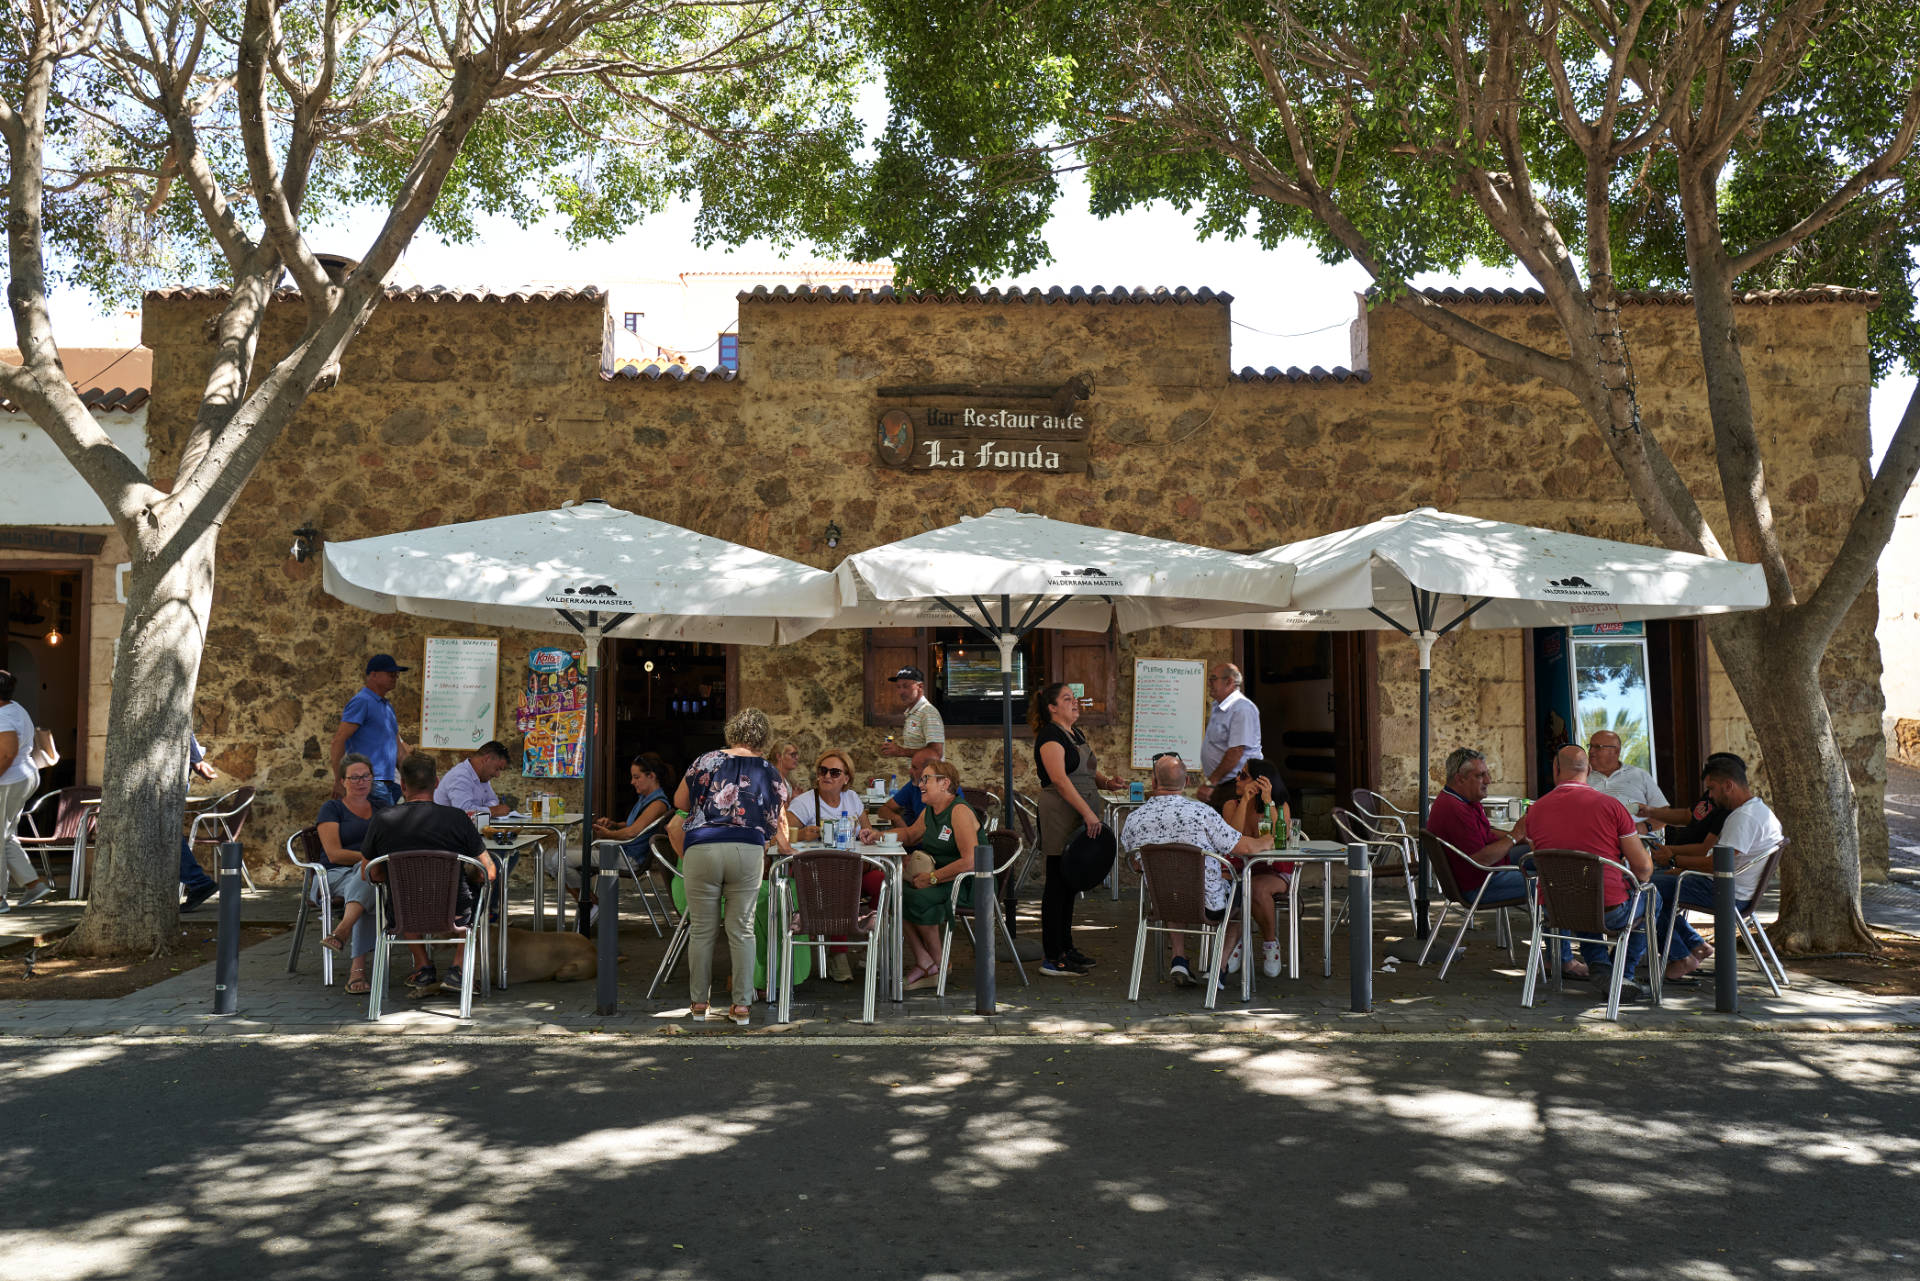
(1696, 830)
(417, 823)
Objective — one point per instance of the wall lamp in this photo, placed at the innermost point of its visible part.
(306, 540)
(833, 533)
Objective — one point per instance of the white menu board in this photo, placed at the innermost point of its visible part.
(1169, 707)
(459, 691)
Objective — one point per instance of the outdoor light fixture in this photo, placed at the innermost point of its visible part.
(648, 665)
(304, 540)
(53, 636)
(833, 533)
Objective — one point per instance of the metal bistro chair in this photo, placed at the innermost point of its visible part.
(1771, 967)
(663, 861)
(1573, 904)
(224, 820)
(1380, 842)
(646, 887)
(422, 889)
(305, 852)
(1383, 813)
(825, 889)
(39, 832)
(1173, 900)
(1007, 849)
(1026, 822)
(1437, 850)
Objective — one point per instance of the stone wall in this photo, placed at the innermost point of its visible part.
(456, 410)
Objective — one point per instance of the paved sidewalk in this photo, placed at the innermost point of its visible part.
(1481, 994)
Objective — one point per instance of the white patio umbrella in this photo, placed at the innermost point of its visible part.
(1008, 572)
(1408, 573)
(591, 570)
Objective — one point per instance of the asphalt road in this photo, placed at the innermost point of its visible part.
(1382, 1158)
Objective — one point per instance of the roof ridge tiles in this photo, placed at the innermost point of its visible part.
(975, 295)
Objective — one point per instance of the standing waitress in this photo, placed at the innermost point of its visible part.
(1069, 791)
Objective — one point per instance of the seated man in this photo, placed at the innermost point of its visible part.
(418, 822)
(1750, 830)
(1170, 817)
(1693, 831)
(1457, 817)
(1573, 816)
(468, 786)
(904, 806)
(1632, 786)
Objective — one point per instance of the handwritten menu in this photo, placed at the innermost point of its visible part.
(458, 692)
(1169, 706)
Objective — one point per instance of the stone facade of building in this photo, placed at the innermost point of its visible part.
(453, 409)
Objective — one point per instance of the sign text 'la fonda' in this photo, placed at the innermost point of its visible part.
(982, 438)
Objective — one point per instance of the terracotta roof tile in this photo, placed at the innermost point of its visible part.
(1662, 297)
(654, 372)
(1098, 294)
(1295, 374)
(104, 400)
(413, 293)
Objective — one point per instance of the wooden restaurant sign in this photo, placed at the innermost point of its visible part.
(982, 437)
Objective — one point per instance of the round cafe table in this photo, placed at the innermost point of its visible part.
(1308, 854)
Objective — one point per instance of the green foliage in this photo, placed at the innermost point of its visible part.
(1634, 744)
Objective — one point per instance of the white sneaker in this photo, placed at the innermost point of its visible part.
(1270, 960)
(1233, 962)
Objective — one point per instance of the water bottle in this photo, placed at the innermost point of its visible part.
(843, 832)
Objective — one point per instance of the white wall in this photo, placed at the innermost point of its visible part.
(38, 486)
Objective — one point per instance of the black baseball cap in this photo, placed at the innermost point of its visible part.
(383, 663)
(909, 674)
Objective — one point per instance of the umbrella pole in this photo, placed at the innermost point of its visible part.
(1424, 879)
(590, 639)
(986, 894)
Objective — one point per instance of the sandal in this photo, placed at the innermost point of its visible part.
(697, 1011)
(741, 1014)
(332, 942)
(358, 985)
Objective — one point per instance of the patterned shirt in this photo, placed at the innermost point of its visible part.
(1181, 820)
(733, 798)
(923, 725)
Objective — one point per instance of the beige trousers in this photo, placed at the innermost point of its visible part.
(713, 869)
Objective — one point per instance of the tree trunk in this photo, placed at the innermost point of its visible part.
(134, 905)
(1808, 787)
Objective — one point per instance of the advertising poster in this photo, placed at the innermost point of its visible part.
(552, 716)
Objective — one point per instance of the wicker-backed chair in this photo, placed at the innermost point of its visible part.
(1007, 850)
(420, 897)
(1771, 967)
(41, 832)
(305, 852)
(1452, 895)
(823, 889)
(220, 822)
(1573, 907)
(1173, 900)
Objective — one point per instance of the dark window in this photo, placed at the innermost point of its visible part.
(632, 321)
(729, 351)
(963, 672)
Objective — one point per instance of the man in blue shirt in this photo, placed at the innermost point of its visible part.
(370, 727)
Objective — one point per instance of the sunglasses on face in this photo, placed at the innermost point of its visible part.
(1161, 756)
(828, 771)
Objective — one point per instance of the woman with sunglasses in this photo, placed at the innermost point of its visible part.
(831, 798)
(342, 825)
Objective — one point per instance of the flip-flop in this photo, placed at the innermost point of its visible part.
(332, 942)
(359, 985)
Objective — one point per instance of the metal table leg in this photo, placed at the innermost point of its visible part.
(77, 876)
(897, 931)
(1326, 919)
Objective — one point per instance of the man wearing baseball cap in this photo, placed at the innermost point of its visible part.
(370, 727)
(923, 727)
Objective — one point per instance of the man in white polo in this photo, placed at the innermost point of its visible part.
(923, 726)
(1628, 784)
(1233, 729)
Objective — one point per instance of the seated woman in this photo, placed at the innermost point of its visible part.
(832, 797)
(1251, 795)
(947, 830)
(342, 825)
(653, 781)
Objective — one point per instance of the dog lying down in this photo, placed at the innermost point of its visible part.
(535, 956)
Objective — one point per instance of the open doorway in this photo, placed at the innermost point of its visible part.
(660, 696)
(47, 637)
(1316, 692)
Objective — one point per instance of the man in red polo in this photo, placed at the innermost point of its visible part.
(1574, 816)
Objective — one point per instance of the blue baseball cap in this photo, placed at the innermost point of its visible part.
(383, 663)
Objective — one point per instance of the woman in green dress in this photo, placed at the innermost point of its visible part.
(946, 830)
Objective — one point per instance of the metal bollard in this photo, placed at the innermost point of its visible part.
(606, 984)
(226, 957)
(1726, 960)
(1360, 928)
